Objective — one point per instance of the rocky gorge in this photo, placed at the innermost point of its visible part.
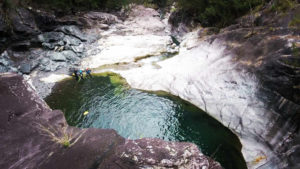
(247, 78)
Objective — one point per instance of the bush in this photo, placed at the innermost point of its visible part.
(99, 4)
(282, 5)
(83, 4)
(211, 13)
(218, 13)
(295, 22)
(7, 4)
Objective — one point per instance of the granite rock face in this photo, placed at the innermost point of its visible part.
(270, 51)
(34, 136)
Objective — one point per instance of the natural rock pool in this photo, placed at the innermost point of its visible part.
(135, 114)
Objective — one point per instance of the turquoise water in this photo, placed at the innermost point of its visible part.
(138, 114)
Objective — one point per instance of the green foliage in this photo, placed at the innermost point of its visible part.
(60, 135)
(295, 50)
(83, 4)
(7, 4)
(65, 141)
(282, 5)
(99, 4)
(293, 61)
(152, 3)
(216, 12)
(295, 22)
(208, 12)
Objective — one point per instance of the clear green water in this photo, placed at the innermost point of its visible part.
(136, 114)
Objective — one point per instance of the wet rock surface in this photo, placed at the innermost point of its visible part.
(34, 136)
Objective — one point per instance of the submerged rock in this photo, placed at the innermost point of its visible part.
(34, 136)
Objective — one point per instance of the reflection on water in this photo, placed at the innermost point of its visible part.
(137, 114)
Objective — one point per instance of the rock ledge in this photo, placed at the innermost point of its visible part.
(34, 136)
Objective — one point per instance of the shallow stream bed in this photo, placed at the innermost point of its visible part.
(136, 114)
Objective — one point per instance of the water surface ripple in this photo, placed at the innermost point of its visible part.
(137, 114)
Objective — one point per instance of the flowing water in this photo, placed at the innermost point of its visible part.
(135, 114)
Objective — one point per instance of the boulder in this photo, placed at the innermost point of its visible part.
(104, 18)
(4, 59)
(57, 56)
(71, 41)
(50, 37)
(25, 68)
(3, 68)
(52, 66)
(57, 60)
(73, 31)
(34, 64)
(5, 63)
(34, 136)
(78, 49)
(70, 55)
(52, 46)
(44, 61)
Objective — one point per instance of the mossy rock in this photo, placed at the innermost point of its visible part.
(114, 78)
(295, 22)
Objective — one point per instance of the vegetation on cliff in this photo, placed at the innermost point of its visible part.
(217, 13)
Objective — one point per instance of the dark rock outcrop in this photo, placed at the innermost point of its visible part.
(23, 22)
(73, 31)
(60, 41)
(28, 36)
(34, 136)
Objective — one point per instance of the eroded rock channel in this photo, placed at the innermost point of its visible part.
(246, 78)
